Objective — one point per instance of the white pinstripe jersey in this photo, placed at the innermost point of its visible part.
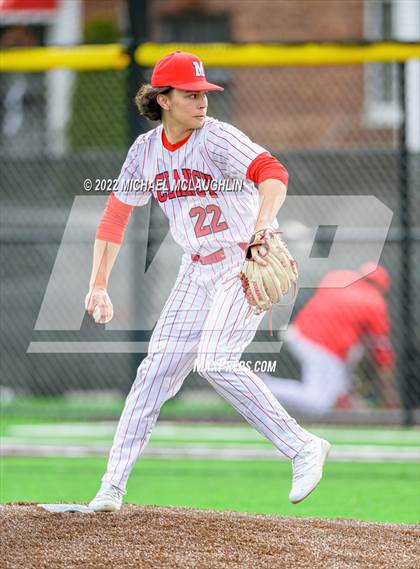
(202, 219)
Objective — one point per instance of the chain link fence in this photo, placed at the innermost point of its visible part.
(336, 128)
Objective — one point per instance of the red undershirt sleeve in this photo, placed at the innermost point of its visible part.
(265, 166)
(114, 220)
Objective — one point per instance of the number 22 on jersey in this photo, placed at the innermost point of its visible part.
(208, 220)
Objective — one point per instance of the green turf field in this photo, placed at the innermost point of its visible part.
(366, 487)
(58, 408)
(377, 492)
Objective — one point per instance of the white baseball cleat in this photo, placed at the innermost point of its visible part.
(108, 499)
(307, 468)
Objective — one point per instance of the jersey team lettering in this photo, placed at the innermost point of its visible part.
(209, 168)
(193, 183)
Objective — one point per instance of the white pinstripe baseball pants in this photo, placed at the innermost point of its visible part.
(206, 317)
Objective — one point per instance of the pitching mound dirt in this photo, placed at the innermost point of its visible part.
(153, 537)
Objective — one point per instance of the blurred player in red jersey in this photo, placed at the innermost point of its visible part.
(328, 336)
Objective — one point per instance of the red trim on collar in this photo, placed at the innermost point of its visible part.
(172, 147)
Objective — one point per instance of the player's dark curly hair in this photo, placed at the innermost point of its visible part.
(146, 101)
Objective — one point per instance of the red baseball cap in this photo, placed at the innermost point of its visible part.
(182, 70)
(376, 274)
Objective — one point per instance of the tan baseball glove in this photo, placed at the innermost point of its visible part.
(268, 272)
